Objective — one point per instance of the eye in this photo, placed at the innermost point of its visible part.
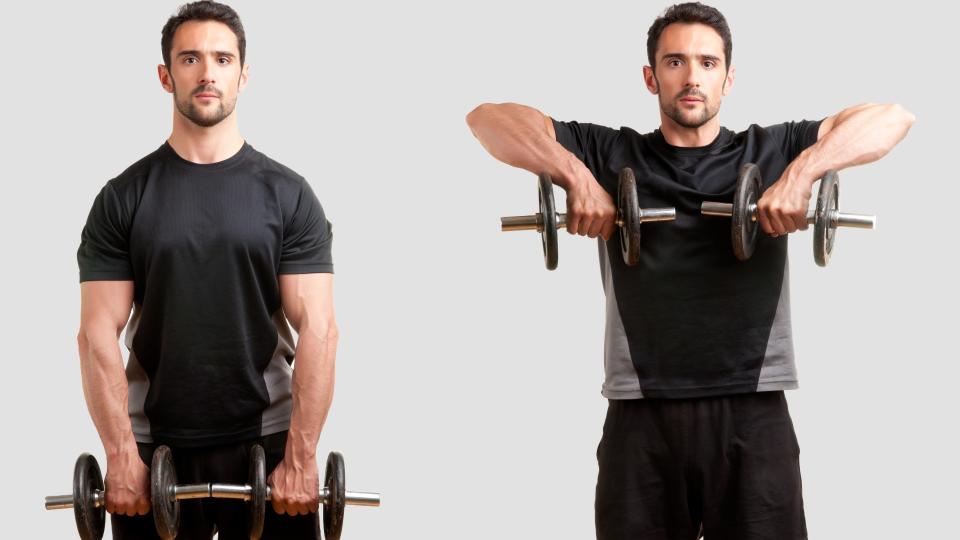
(709, 64)
(223, 60)
(673, 63)
(189, 59)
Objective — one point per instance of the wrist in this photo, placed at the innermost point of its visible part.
(126, 452)
(298, 450)
(805, 169)
(571, 173)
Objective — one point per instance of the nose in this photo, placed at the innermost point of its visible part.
(208, 76)
(692, 75)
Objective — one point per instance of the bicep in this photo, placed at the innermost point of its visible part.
(105, 304)
(307, 299)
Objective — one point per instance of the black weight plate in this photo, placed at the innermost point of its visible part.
(163, 477)
(86, 480)
(746, 224)
(336, 484)
(548, 214)
(628, 213)
(828, 201)
(257, 505)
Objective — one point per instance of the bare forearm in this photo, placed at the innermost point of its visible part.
(523, 137)
(105, 390)
(861, 134)
(313, 380)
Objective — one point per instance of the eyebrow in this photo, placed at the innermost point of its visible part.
(684, 57)
(194, 52)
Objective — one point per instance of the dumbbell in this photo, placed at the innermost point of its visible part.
(166, 501)
(826, 218)
(629, 218)
(88, 499)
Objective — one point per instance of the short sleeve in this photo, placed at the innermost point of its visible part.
(794, 137)
(307, 237)
(591, 143)
(104, 253)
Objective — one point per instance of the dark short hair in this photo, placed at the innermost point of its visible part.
(691, 12)
(204, 10)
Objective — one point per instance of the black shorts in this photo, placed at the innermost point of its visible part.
(201, 518)
(730, 464)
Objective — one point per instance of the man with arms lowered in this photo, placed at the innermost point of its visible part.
(698, 346)
(216, 247)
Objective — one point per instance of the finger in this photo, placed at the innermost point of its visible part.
(573, 221)
(800, 219)
(582, 222)
(764, 216)
(609, 228)
(595, 227)
(776, 218)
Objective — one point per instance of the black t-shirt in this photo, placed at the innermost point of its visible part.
(210, 349)
(690, 320)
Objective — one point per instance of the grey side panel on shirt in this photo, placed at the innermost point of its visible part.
(620, 375)
(278, 377)
(778, 371)
(138, 384)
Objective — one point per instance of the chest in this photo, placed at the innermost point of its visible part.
(207, 218)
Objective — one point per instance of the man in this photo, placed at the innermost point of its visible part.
(216, 247)
(698, 345)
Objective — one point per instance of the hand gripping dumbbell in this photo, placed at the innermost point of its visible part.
(825, 218)
(167, 494)
(629, 218)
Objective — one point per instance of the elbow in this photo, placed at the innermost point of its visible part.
(476, 114)
(333, 334)
(82, 342)
(328, 333)
(906, 117)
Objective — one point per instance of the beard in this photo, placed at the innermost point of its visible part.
(203, 116)
(686, 117)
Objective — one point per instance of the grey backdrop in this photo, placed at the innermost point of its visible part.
(468, 376)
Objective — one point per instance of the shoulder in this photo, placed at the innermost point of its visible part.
(128, 186)
(275, 172)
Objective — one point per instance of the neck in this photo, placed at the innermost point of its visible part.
(684, 137)
(205, 144)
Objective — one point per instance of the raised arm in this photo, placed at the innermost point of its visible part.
(104, 310)
(523, 137)
(854, 136)
(308, 304)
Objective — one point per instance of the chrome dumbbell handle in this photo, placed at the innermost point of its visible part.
(245, 493)
(64, 502)
(837, 219)
(216, 491)
(534, 222)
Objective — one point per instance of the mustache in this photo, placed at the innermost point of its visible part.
(691, 93)
(207, 90)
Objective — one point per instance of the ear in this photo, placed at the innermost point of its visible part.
(166, 81)
(651, 80)
(244, 77)
(728, 82)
